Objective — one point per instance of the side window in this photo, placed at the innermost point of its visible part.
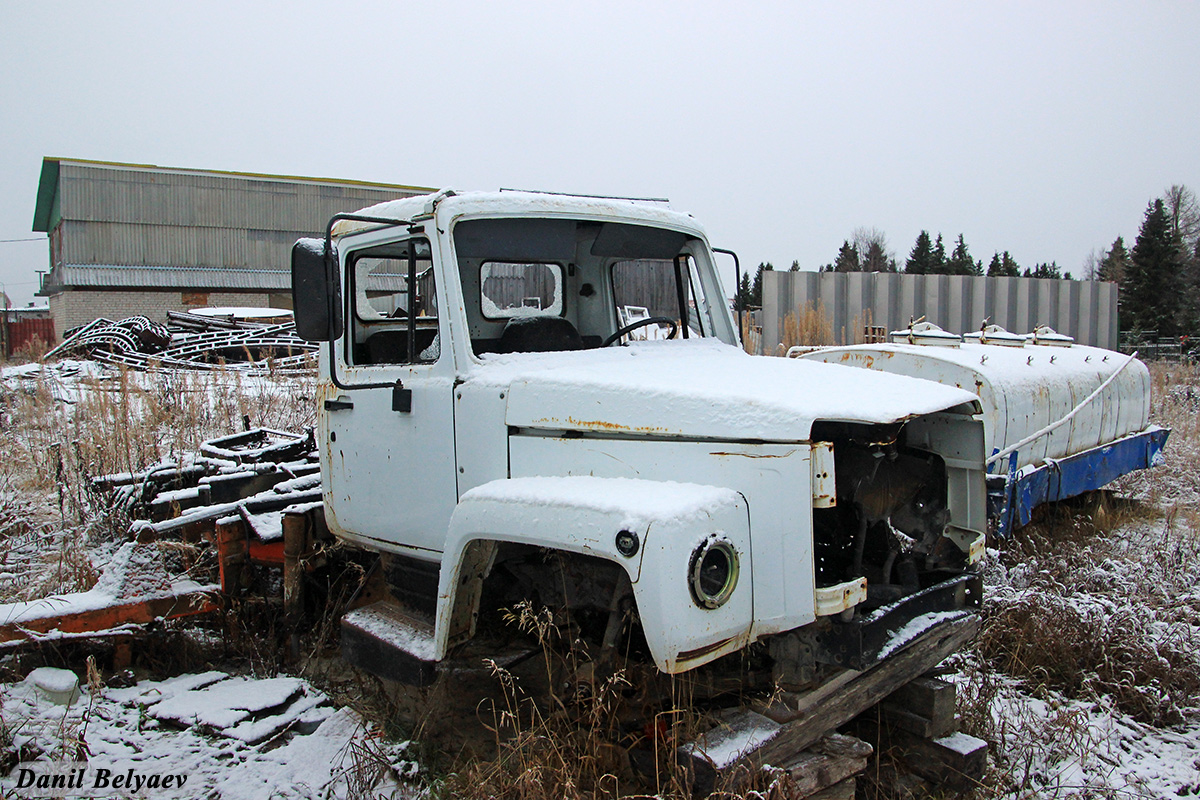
(395, 304)
(652, 287)
(510, 289)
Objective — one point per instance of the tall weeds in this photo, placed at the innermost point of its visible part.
(808, 325)
(62, 430)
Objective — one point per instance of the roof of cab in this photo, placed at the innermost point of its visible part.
(520, 203)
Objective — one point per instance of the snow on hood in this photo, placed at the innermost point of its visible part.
(700, 388)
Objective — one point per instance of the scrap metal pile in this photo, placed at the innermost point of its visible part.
(234, 498)
(191, 341)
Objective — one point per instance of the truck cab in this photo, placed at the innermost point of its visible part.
(542, 398)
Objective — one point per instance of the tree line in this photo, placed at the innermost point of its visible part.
(1159, 278)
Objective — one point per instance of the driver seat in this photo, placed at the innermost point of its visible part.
(539, 334)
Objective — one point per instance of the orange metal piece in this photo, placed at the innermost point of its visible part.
(99, 620)
(266, 552)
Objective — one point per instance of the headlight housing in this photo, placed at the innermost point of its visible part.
(713, 572)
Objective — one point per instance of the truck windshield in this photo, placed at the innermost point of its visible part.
(534, 284)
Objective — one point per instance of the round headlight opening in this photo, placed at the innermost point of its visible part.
(714, 573)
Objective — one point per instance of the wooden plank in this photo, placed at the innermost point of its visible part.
(910, 721)
(828, 764)
(232, 550)
(929, 697)
(840, 791)
(787, 706)
(956, 761)
(924, 707)
(865, 690)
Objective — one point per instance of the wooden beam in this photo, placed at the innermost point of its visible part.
(956, 761)
(828, 764)
(865, 690)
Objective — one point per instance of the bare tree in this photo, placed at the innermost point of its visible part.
(871, 245)
(1184, 214)
(1091, 264)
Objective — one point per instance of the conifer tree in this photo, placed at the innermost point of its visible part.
(1050, 270)
(960, 261)
(939, 257)
(757, 288)
(920, 259)
(1114, 262)
(1153, 284)
(1003, 266)
(743, 296)
(847, 259)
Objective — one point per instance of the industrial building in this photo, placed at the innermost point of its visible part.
(128, 239)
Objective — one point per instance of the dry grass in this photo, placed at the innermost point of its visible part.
(809, 325)
(61, 432)
(1092, 609)
(583, 731)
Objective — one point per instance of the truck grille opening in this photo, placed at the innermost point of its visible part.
(890, 516)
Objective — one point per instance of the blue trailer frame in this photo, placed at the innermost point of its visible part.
(1013, 497)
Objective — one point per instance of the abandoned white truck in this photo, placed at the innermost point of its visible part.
(493, 424)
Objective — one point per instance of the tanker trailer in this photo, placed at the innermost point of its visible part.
(1059, 418)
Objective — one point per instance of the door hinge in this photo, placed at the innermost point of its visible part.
(824, 483)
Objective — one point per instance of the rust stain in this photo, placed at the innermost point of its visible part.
(754, 455)
(600, 424)
(700, 652)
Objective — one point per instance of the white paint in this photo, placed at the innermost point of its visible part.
(1024, 389)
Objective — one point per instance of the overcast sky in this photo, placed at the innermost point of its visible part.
(1042, 129)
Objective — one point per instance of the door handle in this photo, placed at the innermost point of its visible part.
(338, 405)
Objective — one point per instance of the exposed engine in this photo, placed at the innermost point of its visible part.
(890, 516)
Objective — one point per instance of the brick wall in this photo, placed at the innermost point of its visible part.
(71, 309)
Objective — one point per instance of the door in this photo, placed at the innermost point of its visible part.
(391, 445)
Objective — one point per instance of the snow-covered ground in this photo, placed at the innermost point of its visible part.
(1129, 726)
(228, 737)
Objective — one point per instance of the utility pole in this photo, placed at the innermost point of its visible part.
(4, 325)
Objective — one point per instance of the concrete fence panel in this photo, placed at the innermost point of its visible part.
(1086, 310)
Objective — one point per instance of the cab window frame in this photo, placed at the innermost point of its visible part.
(358, 351)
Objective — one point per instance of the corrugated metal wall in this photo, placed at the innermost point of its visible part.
(180, 219)
(1086, 310)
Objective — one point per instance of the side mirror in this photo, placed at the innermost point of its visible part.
(316, 291)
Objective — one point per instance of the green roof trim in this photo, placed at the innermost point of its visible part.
(47, 197)
(47, 213)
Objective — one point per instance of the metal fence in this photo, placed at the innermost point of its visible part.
(842, 305)
(1151, 347)
(18, 333)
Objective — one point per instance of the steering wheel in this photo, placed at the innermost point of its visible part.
(641, 323)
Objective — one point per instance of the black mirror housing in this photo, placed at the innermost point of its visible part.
(316, 291)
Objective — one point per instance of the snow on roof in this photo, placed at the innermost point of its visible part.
(519, 203)
(241, 312)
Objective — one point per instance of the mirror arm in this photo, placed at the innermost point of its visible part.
(331, 256)
(737, 288)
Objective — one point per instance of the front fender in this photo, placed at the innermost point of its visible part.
(585, 515)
